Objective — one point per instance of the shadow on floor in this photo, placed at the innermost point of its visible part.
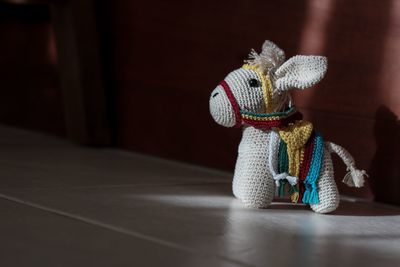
(347, 208)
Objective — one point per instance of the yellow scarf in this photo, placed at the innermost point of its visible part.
(296, 136)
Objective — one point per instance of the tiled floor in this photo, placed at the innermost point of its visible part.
(63, 205)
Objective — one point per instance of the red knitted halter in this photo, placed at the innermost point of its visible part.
(234, 103)
(262, 121)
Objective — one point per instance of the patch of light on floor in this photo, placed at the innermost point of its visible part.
(198, 201)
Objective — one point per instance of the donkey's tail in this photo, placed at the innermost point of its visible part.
(354, 177)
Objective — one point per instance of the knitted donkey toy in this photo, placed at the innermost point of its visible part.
(279, 152)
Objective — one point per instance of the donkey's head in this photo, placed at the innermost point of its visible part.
(261, 87)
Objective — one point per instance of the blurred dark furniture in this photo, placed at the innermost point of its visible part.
(83, 92)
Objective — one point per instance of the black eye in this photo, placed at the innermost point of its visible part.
(254, 83)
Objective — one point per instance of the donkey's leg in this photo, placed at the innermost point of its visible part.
(327, 191)
(252, 182)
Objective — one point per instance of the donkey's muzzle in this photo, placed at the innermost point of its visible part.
(234, 103)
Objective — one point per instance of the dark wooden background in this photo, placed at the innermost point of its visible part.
(162, 59)
(30, 94)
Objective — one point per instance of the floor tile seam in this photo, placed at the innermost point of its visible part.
(120, 230)
(9, 189)
(170, 161)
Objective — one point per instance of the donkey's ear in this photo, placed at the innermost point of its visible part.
(300, 72)
(272, 53)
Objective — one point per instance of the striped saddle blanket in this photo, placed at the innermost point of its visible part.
(301, 153)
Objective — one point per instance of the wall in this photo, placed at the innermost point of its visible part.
(163, 58)
(166, 57)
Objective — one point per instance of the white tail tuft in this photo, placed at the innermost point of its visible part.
(354, 177)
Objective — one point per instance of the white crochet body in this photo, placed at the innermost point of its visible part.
(253, 181)
(265, 93)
